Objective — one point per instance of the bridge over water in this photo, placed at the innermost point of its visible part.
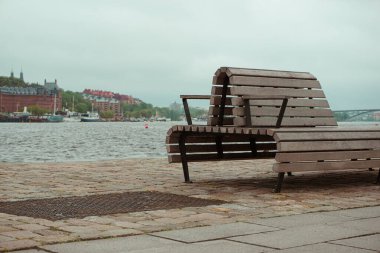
(352, 115)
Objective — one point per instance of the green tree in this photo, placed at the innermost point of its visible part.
(107, 114)
(82, 107)
(14, 82)
(37, 110)
(80, 104)
(138, 110)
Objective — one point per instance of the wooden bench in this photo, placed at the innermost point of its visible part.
(272, 114)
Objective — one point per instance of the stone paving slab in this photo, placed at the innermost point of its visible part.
(371, 242)
(366, 212)
(302, 220)
(371, 225)
(17, 244)
(302, 238)
(293, 237)
(114, 245)
(324, 248)
(214, 232)
(219, 246)
(31, 251)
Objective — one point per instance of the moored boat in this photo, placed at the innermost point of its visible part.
(15, 117)
(55, 118)
(90, 117)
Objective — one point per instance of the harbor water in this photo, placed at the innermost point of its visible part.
(79, 141)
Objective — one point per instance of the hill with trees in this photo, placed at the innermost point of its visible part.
(15, 82)
(70, 98)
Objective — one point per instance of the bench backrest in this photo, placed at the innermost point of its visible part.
(307, 104)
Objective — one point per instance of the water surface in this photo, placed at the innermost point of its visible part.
(81, 141)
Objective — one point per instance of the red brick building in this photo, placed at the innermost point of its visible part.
(16, 103)
(109, 94)
(14, 99)
(103, 104)
(98, 93)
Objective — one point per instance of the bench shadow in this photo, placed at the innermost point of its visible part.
(299, 182)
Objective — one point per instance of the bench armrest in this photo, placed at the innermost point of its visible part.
(195, 96)
(247, 107)
(186, 105)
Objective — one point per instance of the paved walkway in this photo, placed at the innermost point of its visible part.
(353, 230)
(320, 203)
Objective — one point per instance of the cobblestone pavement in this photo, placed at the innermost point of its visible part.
(245, 185)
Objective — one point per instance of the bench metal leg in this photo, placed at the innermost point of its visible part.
(280, 179)
(370, 169)
(378, 178)
(219, 146)
(182, 149)
(290, 174)
(252, 144)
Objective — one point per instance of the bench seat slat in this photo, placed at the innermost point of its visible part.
(238, 101)
(215, 120)
(328, 145)
(274, 82)
(227, 156)
(214, 111)
(217, 90)
(174, 138)
(298, 93)
(226, 147)
(272, 111)
(321, 166)
(267, 73)
(273, 131)
(216, 100)
(213, 129)
(286, 122)
(334, 155)
(320, 136)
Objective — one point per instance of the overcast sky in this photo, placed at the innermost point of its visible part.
(157, 50)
